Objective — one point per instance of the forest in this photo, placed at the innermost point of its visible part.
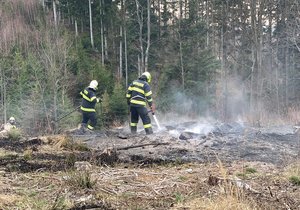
(224, 59)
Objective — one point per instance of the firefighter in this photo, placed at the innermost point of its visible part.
(138, 95)
(11, 124)
(89, 101)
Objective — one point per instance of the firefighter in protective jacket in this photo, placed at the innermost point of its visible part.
(89, 101)
(6, 128)
(138, 95)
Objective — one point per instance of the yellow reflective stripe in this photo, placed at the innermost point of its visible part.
(86, 92)
(94, 97)
(150, 100)
(87, 109)
(90, 127)
(147, 126)
(138, 84)
(128, 95)
(86, 98)
(149, 93)
(138, 102)
(136, 89)
(133, 124)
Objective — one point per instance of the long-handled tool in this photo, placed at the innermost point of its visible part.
(59, 119)
(155, 119)
(54, 122)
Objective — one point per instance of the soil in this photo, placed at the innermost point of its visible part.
(178, 167)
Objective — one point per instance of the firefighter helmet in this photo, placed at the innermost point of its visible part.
(146, 75)
(12, 120)
(94, 84)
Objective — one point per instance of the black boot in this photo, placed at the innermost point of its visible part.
(148, 131)
(133, 129)
(82, 128)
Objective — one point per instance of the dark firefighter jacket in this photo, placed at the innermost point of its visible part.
(138, 93)
(89, 100)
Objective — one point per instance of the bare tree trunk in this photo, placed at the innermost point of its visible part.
(121, 54)
(101, 31)
(180, 46)
(140, 21)
(260, 80)
(286, 67)
(82, 28)
(252, 83)
(3, 95)
(91, 24)
(148, 36)
(125, 45)
(139, 65)
(105, 44)
(159, 19)
(76, 29)
(255, 74)
(43, 4)
(224, 79)
(207, 23)
(54, 13)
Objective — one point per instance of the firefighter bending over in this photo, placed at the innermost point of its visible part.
(11, 124)
(138, 94)
(88, 104)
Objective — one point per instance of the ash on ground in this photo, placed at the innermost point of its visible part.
(201, 142)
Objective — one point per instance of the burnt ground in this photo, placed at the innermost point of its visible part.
(184, 166)
(190, 142)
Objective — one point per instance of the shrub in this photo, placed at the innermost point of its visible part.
(14, 134)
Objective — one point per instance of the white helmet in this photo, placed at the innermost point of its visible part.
(12, 120)
(93, 84)
(146, 75)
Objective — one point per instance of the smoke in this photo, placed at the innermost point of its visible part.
(234, 103)
(201, 128)
(228, 103)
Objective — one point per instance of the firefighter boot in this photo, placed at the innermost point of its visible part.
(82, 128)
(148, 131)
(133, 129)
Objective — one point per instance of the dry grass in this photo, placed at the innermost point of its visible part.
(217, 203)
(292, 173)
(8, 200)
(158, 187)
(62, 142)
(293, 115)
(6, 153)
(81, 179)
(124, 186)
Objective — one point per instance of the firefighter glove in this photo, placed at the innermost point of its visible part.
(152, 108)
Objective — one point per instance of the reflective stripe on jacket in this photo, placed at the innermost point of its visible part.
(138, 93)
(89, 100)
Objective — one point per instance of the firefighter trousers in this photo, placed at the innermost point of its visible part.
(89, 116)
(142, 112)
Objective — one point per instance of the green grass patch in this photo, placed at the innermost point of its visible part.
(241, 175)
(250, 170)
(179, 198)
(79, 179)
(295, 180)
